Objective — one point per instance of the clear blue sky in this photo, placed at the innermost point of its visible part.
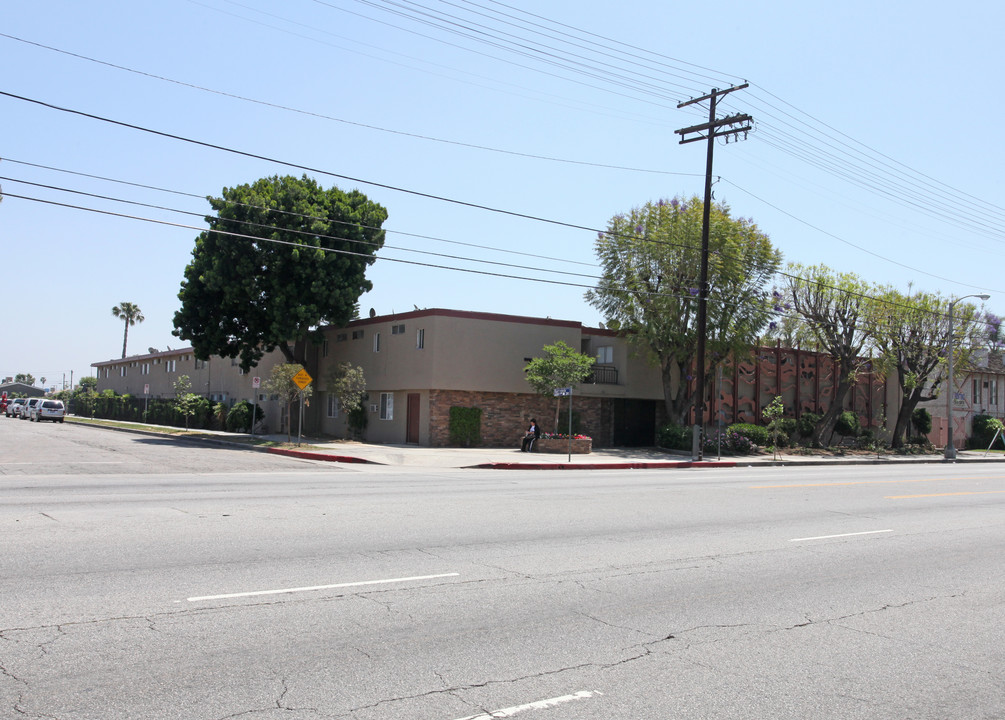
(876, 148)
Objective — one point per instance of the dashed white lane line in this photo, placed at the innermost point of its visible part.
(311, 588)
(828, 537)
(538, 705)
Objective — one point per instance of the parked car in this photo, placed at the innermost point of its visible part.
(29, 403)
(48, 410)
(15, 407)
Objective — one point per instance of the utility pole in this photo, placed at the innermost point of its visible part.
(708, 131)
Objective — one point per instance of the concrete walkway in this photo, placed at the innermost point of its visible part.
(344, 451)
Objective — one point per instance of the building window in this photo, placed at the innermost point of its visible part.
(420, 338)
(233, 362)
(605, 355)
(200, 364)
(324, 348)
(145, 369)
(387, 406)
(122, 371)
(357, 334)
(341, 337)
(332, 405)
(240, 371)
(976, 384)
(992, 392)
(397, 329)
(376, 342)
(170, 365)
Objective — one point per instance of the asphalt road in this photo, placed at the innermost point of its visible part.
(143, 578)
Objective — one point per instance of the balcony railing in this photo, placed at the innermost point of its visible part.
(603, 375)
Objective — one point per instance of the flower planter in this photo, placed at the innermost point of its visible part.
(560, 445)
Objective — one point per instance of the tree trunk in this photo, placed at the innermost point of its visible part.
(824, 430)
(907, 407)
(676, 399)
(125, 337)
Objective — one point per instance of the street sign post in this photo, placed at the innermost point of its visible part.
(256, 382)
(302, 380)
(567, 392)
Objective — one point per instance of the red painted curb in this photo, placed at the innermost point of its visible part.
(306, 455)
(603, 466)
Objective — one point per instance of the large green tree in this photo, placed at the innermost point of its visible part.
(283, 257)
(911, 334)
(650, 258)
(131, 314)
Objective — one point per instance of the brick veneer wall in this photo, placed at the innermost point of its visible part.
(505, 416)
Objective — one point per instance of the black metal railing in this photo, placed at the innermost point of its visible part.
(603, 375)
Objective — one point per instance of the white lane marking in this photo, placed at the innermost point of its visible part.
(828, 537)
(318, 587)
(539, 705)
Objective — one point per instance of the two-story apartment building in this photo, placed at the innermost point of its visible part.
(419, 364)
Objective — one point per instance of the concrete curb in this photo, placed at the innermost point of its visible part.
(309, 455)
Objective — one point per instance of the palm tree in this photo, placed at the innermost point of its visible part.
(131, 314)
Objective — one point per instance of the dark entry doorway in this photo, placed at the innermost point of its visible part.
(633, 422)
(412, 419)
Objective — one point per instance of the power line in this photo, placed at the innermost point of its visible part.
(331, 118)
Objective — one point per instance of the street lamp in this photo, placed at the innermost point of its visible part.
(950, 451)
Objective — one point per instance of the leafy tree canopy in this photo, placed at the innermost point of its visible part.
(26, 378)
(651, 258)
(294, 260)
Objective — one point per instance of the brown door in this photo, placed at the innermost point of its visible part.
(412, 421)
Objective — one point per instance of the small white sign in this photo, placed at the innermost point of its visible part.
(146, 389)
(256, 382)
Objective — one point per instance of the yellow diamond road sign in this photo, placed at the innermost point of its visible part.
(302, 379)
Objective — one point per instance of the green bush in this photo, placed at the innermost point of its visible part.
(674, 437)
(806, 423)
(921, 419)
(848, 424)
(983, 430)
(465, 426)
(239, 417)
(757, 434)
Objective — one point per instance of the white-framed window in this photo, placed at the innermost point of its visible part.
(387, 406)
(240, 371)
(170, 365)
(605, 355)
(376, 342)
(200, 364)
(992, 392)
(145, 370)
(420, 338)
(976, 384)
(397, 329)
(122, 371)
(332, 405)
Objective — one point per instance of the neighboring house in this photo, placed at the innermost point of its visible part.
(220, 379)
(17, 389)
(979, 390)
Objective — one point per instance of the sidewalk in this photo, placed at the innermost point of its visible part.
(345, 451)
(599, 459)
